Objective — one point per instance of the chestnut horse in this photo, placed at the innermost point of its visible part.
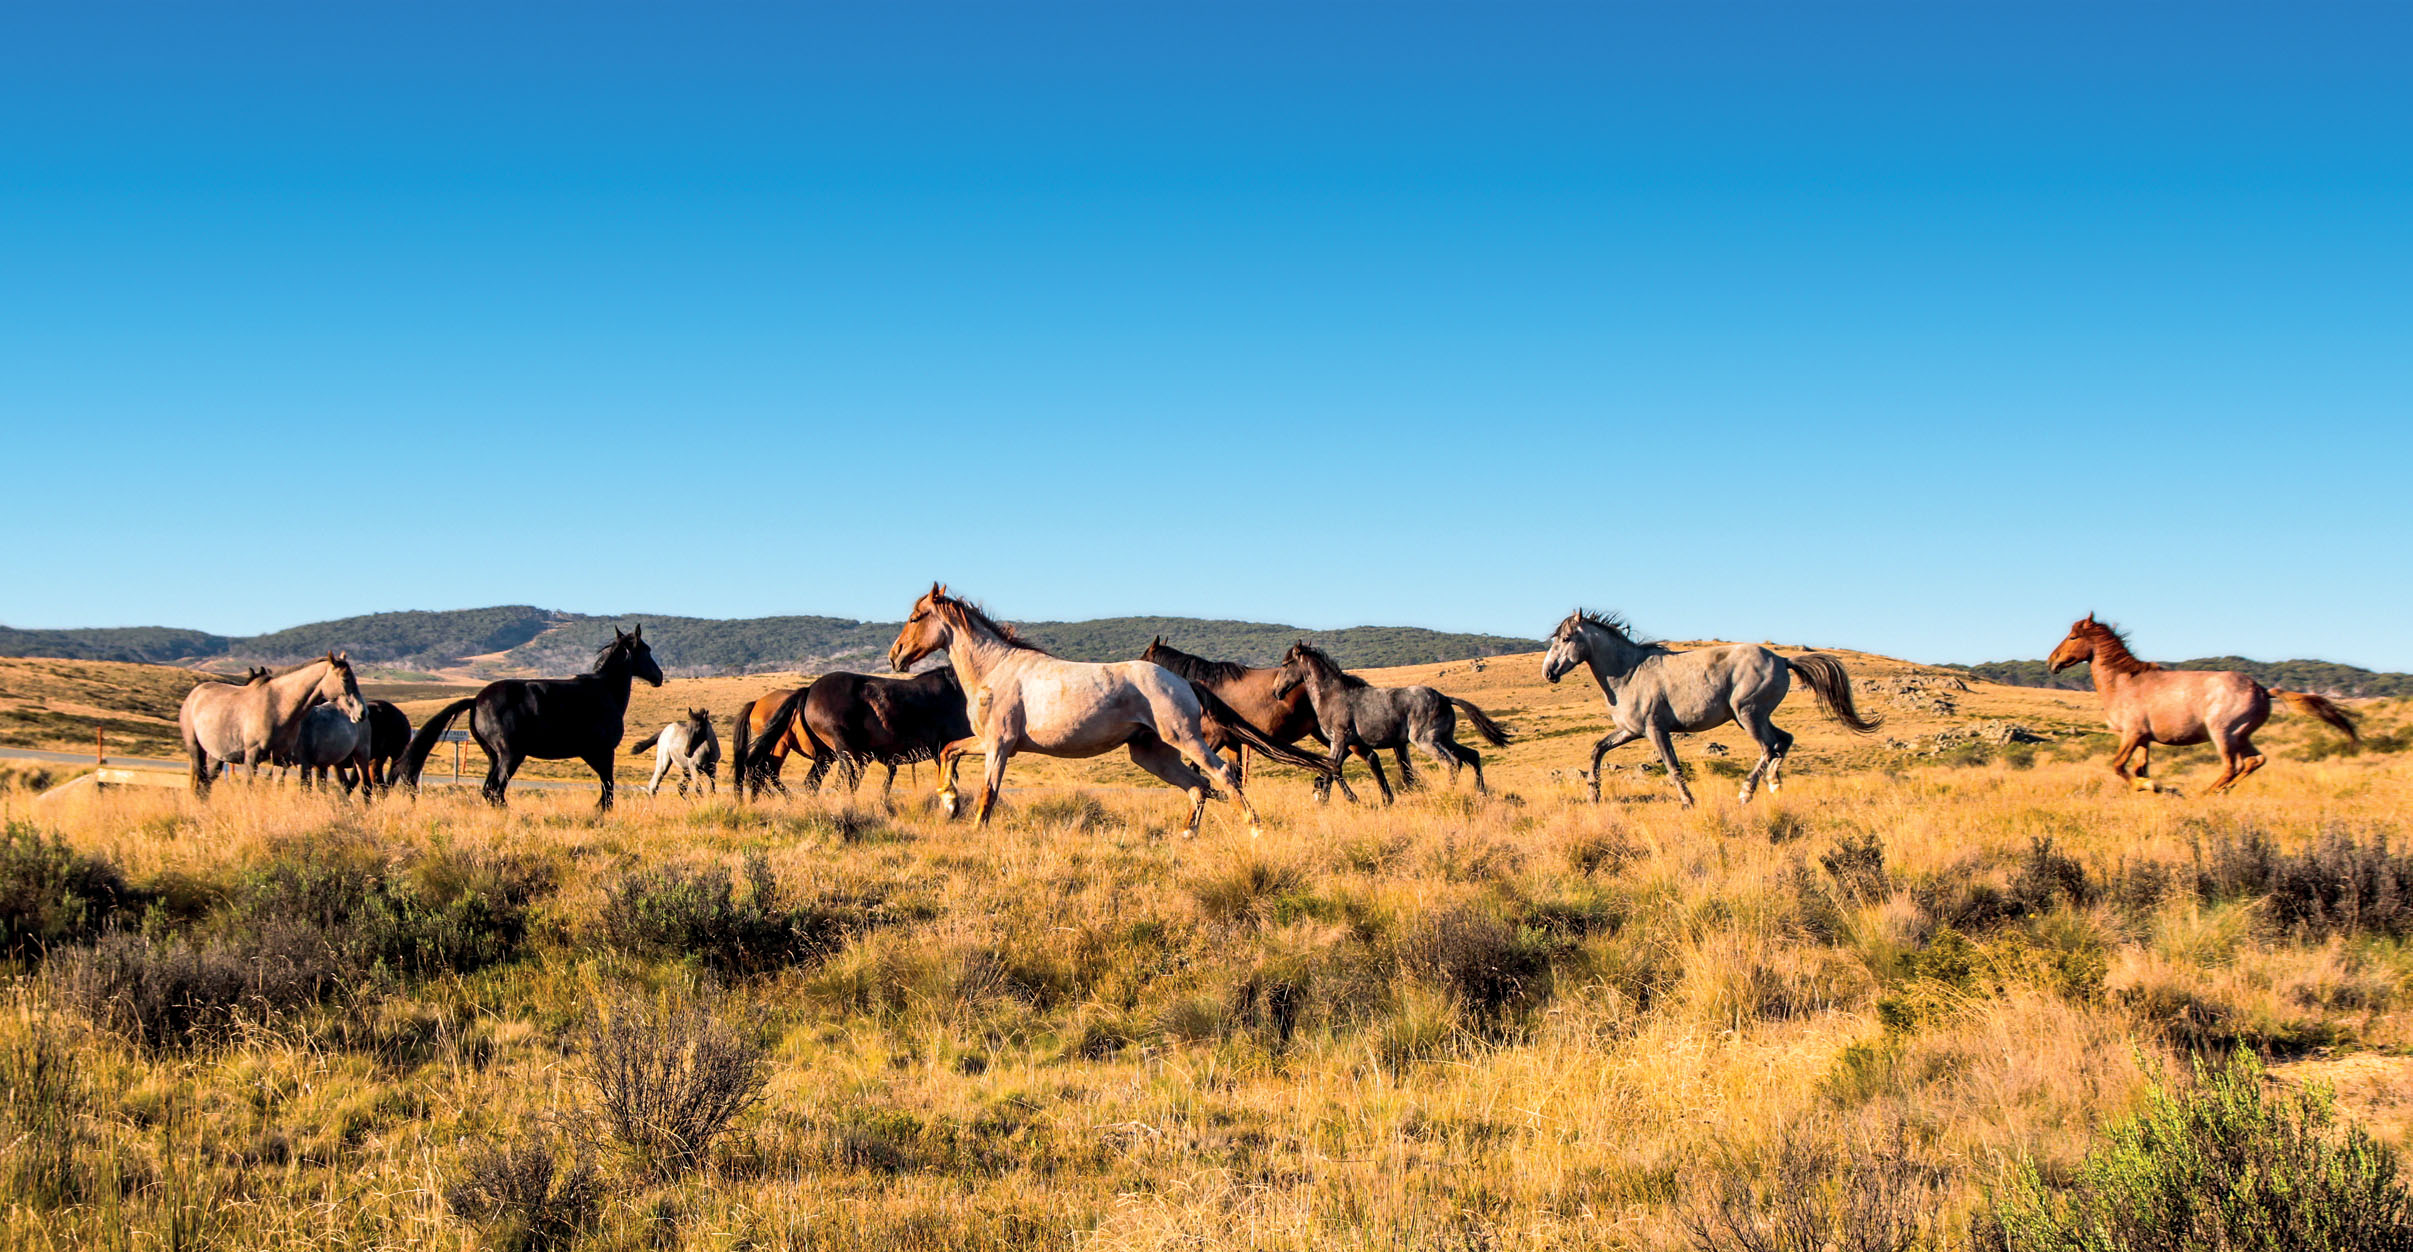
(2145, 704)
(1285, 719)
(1021, 699)
(754, 718)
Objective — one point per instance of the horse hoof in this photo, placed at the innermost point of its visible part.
(1255, 831)
(947, 804)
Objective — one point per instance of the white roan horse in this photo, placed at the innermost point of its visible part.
(226, 722)
(1654, 691)
(1020, 699)
(689, 746)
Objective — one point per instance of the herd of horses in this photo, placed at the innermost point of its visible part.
(1188, 720)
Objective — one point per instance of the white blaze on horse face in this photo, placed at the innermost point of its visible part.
(1560, 658)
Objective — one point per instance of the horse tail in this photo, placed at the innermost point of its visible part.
(642, 746)
(414, 757)
(1228, 719)
(756, 764)
(1493, 733)
(737, 748)
(1833, 687)
(2321, 707)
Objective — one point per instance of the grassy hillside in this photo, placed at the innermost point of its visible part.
(522, 639)
(1517, 1021)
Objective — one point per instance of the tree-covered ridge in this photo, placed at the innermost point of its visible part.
(2322, 677)
(534, 640)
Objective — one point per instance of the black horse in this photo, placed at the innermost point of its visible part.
(552, 719)
(849, 719)
(389, 738)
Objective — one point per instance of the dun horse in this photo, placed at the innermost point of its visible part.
(2146, 704)
(847, 719)
(1654, 691)
(1021, 699)
(551, 719)
(247, 723)
(1355, 714)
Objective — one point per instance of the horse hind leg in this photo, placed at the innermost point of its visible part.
(1763, 733)
(1162, 759)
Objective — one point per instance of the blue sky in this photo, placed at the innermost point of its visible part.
(1919, 328)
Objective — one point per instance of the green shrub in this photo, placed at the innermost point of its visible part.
(166, 991)
(2340, 884)
(1493, 967)
(431, 912)
(51, 894)
(696, 913)
(2229, 1163)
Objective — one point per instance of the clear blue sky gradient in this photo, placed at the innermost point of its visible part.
(1920, 328)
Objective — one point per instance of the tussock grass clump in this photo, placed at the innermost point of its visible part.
(525, 1196)
(52, 894)
(2227, 1162)
(2340, 883)
(695, 913)
(1495, 968)
(671, 1076)
(44, 1101)
(1822, 1186)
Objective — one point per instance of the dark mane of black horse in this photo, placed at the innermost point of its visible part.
(1194, 668)
(851, 719)
(1316, 657)
(551, 719)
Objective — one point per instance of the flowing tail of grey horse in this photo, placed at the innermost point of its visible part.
(414, 757)
(1238, 727)
(1833, 687)
(645, 745)
(2321, 707)
(1493, 733)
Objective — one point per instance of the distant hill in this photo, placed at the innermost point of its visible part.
(2323, 677)
(523, 639)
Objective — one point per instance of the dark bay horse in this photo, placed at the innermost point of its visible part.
(389, 738)
(551, 719)
(846, 720)
(2146, 704)
(1654, 691)
(1355, 714)
(1285, 718)
(754, 721)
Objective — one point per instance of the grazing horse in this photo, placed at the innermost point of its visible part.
(754, 719)
(1285, 719)
(691, 746)
(1355, 714)
(251, 721)
(1021, 699)
(329, 741)
(552, 719)
(389, 738)
(2146, 704)
(847, 719)
(1654, 691)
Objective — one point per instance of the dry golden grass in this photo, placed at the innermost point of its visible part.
(1522, 1021)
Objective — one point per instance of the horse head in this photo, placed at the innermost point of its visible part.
(339, 687)
(926, 630)
(629, 648)
(1292, 673)
(1568, 648)
(2078, 647)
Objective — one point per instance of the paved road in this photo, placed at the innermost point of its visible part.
(439, 773)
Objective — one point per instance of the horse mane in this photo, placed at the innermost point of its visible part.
(1614, 623)
(1322, 663)
(968, 616)
(616, 648)
(1198, 668)
(2111, 649)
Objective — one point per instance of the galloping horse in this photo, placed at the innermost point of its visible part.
(1021, 699)
(754, 719)
(689, 746)
(847, 719)
(552, 719)
(1285, 719)
(2146, 704)
(1654, 691)
(1355, 714)
(248, 722)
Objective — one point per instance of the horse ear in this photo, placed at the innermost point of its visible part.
(341, 656)
(2090, 617)
(637, 631)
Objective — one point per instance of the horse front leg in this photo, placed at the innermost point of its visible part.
(992, 782)
(1374, 763)
(1666, 743)
(603, 764)
(1614, 739)
(2119, 762)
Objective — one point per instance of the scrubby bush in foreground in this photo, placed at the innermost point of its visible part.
(671, 1077)
(2228, 1164)
(525, 1196)
(51, 894)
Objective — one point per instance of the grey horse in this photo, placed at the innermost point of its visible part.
(1655, 691)
(330, 741)
(691, 746)
(1352, 713)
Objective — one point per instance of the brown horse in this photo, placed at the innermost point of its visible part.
(1285, 718)
(754, 719)
(2146, 704)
